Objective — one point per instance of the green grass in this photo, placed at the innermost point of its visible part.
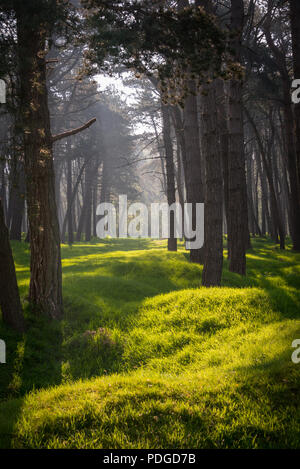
(147, 358)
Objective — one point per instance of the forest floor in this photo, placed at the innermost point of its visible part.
(147, 358)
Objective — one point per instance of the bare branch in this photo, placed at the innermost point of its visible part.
(68, 133)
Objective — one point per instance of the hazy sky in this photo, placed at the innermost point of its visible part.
(115, 81)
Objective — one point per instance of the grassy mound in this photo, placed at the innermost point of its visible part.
(140, 361)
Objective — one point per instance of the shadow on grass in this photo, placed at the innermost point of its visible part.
(33, 362)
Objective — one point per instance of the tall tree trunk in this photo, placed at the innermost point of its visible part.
(251, 213)
(92, 180)
(85, 219)
(213, 218)
(179, 131)
(105, 180)
(194, 178)
(264, 195)
(94, 214)
(181, 157)
(263, 215)
(69, 202)
(170, 170)
(3, 187)
(9, 294)
(222, 116)
(180, 180)
(17, 195)
(58, 170)
(45, 291)
(238, 232)
(161, 155)
(295, 29)
(193, 169)
(89, 201)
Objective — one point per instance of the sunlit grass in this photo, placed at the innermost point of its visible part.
(170, 365)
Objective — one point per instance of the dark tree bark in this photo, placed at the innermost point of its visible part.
(3, 187)
(181, 157)
(9, 294)
(295, 29)
(194, 178)
(179, 131)
(266, 222)
(58, 170)
(170, 170)
(238, 233)
(213, 226)
(222, 116)
(193, 170)
(161, 156)
(85, 219)
(45, 291)
(251, 214)
(17, 202)
(256, 202)
(263, 218)
(180, 178)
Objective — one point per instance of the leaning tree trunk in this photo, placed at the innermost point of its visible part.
(9, 294)
(170, 170)
(45, 292)
(213, 218)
